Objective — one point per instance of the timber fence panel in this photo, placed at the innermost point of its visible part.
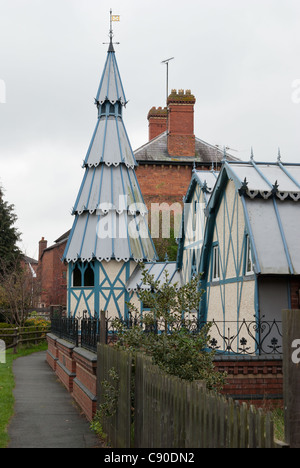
(117, 425)
(178, 414)
(173, 413)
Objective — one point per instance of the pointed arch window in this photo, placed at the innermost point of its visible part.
(77, 277)
(89, 277)
(83, 275)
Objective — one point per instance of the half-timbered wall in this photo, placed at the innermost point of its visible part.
(109, 292)
(194, 233)
(231, 298)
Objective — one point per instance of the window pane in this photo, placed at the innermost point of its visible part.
(77, 277)
(89, 277)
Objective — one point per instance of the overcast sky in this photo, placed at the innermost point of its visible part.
(240, 58)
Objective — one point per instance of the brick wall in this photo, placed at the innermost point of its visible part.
(76, 368)
(163, 183)
(254, 381)
(52, 273)
(294, 287)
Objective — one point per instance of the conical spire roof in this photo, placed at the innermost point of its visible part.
(111, 88)
(110, 214)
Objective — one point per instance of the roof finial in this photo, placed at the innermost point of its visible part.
(252, 154)
(224, 154)
(279, 156)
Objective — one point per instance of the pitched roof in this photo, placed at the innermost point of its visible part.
(270, 194)
(156, 150)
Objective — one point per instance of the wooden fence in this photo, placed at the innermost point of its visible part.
(172, 413)
(118, 425)
(14, 337)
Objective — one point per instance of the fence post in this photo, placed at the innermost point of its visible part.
(102, 327)
(15, 340)
(291, 374)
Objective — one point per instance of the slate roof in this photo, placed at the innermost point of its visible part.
(156, 150)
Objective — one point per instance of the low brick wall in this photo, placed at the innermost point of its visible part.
(85, 382)
(52, 354)
(76, 368)
(257, 381)
(65, 365)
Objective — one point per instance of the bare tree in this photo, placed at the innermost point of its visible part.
(18, 291)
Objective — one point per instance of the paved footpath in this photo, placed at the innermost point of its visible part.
(45, 416)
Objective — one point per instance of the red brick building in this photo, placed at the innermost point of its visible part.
(52, 272)
(166, 161)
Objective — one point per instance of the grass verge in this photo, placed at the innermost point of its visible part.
(7, 384)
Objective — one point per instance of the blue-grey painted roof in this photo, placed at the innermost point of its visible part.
(205, 179)
(158, 271)
(110, 214)
(111, 88)
(270, 193)
(110, 144)
(109, 188)
(265, 179)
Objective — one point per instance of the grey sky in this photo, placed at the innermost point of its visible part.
(239, 57)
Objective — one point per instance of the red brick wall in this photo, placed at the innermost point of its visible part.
(163, 183)
(295, 286)
(77, 370)
(53, 277)
(257, 382)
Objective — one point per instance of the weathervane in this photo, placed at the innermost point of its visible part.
(111, 33)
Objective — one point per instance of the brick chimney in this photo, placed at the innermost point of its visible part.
(181, 138)
(42, 246)
(157, 121)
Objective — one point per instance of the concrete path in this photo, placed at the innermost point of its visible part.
(46, 416)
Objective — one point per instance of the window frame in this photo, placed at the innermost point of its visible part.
(215, 266)
(248, 258)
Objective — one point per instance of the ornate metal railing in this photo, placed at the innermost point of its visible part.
(66, 328)
(246, 338)
(256, 337)
(90, 333)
